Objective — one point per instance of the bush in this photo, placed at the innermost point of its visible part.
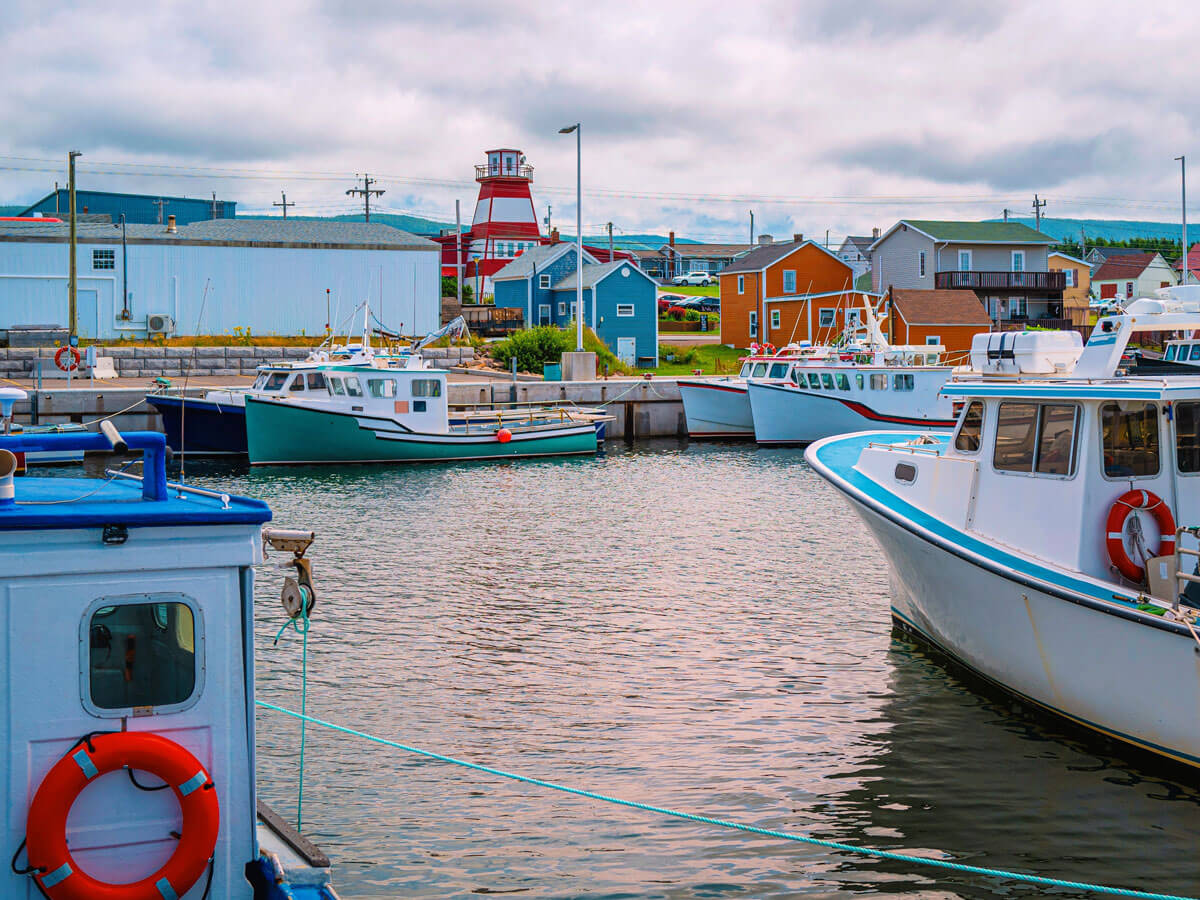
(450, 288)
(677, 313)
(692, 315)
(533, 348)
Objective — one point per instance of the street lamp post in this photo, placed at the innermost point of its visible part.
(578, 232)
(1183, 207)
(72, 282)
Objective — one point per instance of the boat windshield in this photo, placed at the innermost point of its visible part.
(274, 381)
(778, 370)
(1172, 349)
(746, 367)
(760, 369)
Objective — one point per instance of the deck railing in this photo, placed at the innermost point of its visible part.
(497, 171)
(1000, 281)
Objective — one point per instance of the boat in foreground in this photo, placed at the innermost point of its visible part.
(127, 688)
(1037, 544)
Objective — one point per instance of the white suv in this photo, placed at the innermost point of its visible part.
(693, 278)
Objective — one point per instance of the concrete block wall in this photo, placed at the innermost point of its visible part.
(174, 362)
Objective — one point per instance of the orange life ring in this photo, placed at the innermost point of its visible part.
(57, 873)
(1114, 529)
(75, 358)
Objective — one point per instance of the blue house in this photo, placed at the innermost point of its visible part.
(620, 301)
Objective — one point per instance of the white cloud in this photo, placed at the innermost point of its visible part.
(932, 103)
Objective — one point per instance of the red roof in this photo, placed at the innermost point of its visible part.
(1193, 260)
(1129, 265)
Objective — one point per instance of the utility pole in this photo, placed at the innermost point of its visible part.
(56, 209)
(72, 282)
(214, 205)
(610, 243)
(1006, 214)
(548, 211)
(366, 191)
(751, 228)
(458, 266)
(1082, 244)
(1183, 207)
(1038, 206)
(826, 238)
(160, 203)
(284, 204)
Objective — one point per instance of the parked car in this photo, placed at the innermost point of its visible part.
(693, 278)
(708, 304)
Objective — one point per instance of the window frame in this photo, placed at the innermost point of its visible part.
(920, 263)
(741, 284)
(962, 419)
(970, 257)
(775, 318)
(85, 653)
(544, 282)
(629, 307)
(1077, 440)
(754, 323)
(932, 340)
(1158, 415)
(1018, 255)
(562, 307)
(104, 255)
(832, 310)
(1179, 470)
(789, 274)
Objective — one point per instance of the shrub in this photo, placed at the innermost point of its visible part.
(450, 288)
(533, 348)
(692, 315)
(677, 313)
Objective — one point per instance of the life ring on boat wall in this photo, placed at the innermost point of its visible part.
(1114, 530)
(58, 358)
(57, 873)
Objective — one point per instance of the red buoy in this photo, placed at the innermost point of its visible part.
(504, 435)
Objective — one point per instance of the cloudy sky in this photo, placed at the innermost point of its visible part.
(816, 114)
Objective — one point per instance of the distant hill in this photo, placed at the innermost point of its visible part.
(1110, 229)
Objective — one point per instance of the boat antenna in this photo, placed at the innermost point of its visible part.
(183, 397)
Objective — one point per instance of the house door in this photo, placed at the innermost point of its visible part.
(86, 314)
(627, 350)
(543, 313)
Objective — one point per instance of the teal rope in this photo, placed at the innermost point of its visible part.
(303, 631)
(725, 823)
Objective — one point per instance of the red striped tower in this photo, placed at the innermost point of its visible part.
(505, 222)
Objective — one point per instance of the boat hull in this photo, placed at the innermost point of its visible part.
(716, 409)
(785, 415)
(1086, 660)
(201, 427)
(280, 433)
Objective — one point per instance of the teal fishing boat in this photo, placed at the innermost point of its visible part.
(401, 415)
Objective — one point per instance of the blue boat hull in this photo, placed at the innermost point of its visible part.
(208, 428)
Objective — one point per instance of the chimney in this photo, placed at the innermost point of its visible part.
(764, 239)
(671, 240)
(171, 229)
(797, 237)
(554, 238)
(875, 233)
(85, 210)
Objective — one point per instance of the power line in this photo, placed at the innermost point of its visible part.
(367, 192)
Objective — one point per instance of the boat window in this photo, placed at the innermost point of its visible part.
(814, 381)
(971, 428)
(1057, 428)
(1195, 354)
(902, 382)
(859, 379)
(336, 386)
(906, 472)
(297, 383)
(778, 370)
(827, 381)
(141, 655)
(879, 382)
(275, 381)
(353, 388)
(843, 382)
(316, 381)
(381, 387)
(260, 381)
(1016, 426)
(1187, 435)
(760, 369)
(1130, 439)
(1172, 349)
(426, 387)
(797, 377)
(745, 373)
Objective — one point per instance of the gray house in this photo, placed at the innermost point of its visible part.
(1004, 263)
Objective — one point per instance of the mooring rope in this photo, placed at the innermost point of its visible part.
(1041, 880)
(302, 629)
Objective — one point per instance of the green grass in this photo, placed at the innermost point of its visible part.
(711, 359)
(713, 290)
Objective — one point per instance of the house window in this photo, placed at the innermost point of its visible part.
(825, 317)
(932, 339)
(1069, 277)
(964, 260)
(104, 259)
(1018, 260)
(562, 307)
(543, 313)
(143, 655)
(921, 264)
(789, 281)
(544, 281)
(741, 284)
(774, 318)
(625, 309)
(753, 323)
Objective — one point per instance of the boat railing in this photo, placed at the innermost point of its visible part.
(181, 488)
(907, 446)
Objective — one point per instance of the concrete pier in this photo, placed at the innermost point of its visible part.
(642, 408)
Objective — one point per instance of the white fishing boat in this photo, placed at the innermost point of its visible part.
(720, 407)
(1050, 543)
(863, 382)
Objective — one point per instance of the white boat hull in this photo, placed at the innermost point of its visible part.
(1103, 669)
(716, 409)
(787, 415)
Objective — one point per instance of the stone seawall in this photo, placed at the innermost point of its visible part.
(174, 362)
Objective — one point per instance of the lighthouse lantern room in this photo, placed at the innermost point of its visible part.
(505, 222)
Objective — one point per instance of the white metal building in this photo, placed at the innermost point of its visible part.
(214, 277)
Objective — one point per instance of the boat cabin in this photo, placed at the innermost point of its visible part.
(1187, 351)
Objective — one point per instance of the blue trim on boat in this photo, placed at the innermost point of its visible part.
(1073, 391)
(836, 457)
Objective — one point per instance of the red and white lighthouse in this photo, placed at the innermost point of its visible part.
(505, 222)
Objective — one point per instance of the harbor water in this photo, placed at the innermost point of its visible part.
(703, 627)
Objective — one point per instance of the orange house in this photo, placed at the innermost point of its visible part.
(778, 285)
(950, 318)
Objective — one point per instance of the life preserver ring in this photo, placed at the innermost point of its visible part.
(1114, 530)
(57, 873)
(58, 357)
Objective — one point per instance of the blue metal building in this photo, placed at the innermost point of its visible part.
(143, 209)
(620, 301)
(265, 276)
